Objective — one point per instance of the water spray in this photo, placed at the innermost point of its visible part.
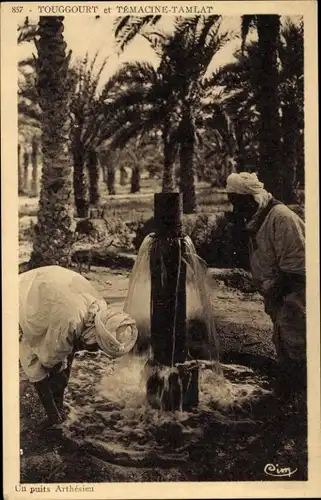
(168, 300)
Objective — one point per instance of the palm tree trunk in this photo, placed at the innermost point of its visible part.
(93, 170)
(34, 161)
(186, 154)
(111, 178)
(170, 151)
(123, 176)
(135, 180)
(79, 181)
(103, 171)
(107, 160)
(290, 138)
(20, 171)
(25, 172)
(268, 104)
(53, 233)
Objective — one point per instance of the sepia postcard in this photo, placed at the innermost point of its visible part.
(160, 250)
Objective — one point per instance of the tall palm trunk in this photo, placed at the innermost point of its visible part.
(111, 178)
(79, 180)
(170, 151)
(93, 171)
(107, 161)
(290, 128)
(20, 171)
(53, 234)
(268, 104)
(186, 155)
(135, 179)
(34, 162)
(123, 175)
(104, 172)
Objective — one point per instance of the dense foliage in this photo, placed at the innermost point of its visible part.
(177, 121)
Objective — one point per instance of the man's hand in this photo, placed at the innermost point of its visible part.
(55, 369)
(273, 297)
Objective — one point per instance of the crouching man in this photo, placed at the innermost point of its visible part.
(277, 262)
(61, 313)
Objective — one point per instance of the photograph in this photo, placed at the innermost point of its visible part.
(166, 280)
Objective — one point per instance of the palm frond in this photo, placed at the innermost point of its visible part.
(128, 27)
(157, 41)
(25, 63)
(129, 74)
(27, 32)
(210, 24)
(129, 131)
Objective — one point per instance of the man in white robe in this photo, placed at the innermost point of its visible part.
(60, 313)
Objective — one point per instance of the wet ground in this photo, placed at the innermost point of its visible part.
(112, 435)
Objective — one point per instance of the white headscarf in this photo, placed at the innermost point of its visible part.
(114, 331)
(248, 183)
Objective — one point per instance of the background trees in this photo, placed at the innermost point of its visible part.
(171, 96)
(268, 99)
(180, 119)
(242, 83)
(28, 127)
(291, 53)
(87, 124)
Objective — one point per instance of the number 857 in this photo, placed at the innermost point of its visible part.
(17, 9)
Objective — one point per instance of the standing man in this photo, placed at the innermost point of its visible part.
(277, 262)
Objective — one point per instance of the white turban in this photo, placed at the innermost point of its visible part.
(115, 331)
(248, 183)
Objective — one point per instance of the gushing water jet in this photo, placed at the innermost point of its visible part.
(168, 299)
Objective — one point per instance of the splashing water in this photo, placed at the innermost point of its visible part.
(112, 412)
(202, 337)
(137, 303)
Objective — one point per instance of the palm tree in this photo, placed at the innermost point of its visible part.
(86, 127)
(268, 29)
(29, 114)
(53, 233)
(28, 106)
(291, 53)
(139, 101)
(108, 161)
(173, 93)
(240, 82)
